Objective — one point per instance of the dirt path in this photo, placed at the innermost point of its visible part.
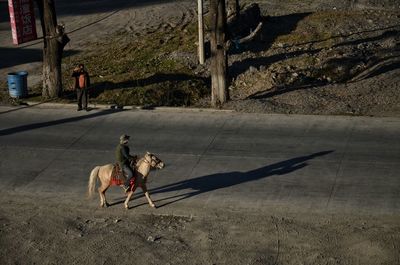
(45, 229)
(87, 23)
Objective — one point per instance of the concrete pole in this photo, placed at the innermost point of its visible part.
(201, 31)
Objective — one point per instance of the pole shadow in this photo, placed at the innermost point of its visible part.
(218, 181)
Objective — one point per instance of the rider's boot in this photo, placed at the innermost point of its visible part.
(126, 188)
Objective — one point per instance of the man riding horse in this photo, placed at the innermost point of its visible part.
(124, 159)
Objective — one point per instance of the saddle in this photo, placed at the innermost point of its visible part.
(117, 176)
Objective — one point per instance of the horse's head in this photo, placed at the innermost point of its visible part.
(154, 161)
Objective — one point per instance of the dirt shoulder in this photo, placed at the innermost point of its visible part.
(44, 229)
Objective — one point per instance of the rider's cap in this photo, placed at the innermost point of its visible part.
(124, 137)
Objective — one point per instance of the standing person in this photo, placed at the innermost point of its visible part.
(82, 83)
(124, 158)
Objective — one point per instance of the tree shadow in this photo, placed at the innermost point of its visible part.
(341, 36)
(218, 181)
(240, 67)
(272, 28)
(9, 57)
(33, 126)
(16, 56)
(384, 68)
(99, 87)
(282, 90)
(385, 35)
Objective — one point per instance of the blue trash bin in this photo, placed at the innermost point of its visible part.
(18, 84)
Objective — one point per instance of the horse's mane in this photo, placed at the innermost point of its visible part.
(139, 161)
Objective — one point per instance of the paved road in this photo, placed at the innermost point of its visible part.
(234, 160)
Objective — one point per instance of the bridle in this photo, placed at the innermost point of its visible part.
(152, 160)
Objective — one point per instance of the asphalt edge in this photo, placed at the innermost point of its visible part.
(31, 104)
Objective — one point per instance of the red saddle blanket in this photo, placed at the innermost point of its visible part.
(115, 181)
(120, 182)
(118, 179)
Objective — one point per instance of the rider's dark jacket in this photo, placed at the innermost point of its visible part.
(122, 155)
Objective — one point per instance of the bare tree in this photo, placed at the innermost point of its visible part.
(219, 92)
(54, 40)
(224, 33)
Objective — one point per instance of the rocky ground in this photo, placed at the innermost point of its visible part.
(337, 59)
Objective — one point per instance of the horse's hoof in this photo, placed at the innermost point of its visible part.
(153, 206)
(126, 207)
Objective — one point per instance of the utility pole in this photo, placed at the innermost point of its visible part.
(201, 31)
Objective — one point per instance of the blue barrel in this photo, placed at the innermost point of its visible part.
(18, 84)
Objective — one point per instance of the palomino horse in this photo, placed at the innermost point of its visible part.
(143, 167)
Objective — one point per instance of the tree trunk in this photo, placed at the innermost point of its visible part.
(54, 40)
(219, 94)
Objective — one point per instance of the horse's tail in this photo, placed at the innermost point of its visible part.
(92, 181)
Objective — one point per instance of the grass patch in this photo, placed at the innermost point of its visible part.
(128, 70)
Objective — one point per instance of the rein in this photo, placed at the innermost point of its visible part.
(149, 162)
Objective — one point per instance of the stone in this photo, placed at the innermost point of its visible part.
(252, 69)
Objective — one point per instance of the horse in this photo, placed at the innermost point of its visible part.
(142, 169)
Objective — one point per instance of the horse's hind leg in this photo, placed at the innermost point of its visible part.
(102, 192)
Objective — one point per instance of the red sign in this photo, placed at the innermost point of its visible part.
(22, 19)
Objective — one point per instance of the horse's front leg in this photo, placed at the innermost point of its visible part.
(129, 195)
(128, 198)
(146, 193)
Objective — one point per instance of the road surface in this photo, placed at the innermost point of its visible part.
(225, 159)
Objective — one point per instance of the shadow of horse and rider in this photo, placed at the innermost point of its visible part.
(213, 182)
